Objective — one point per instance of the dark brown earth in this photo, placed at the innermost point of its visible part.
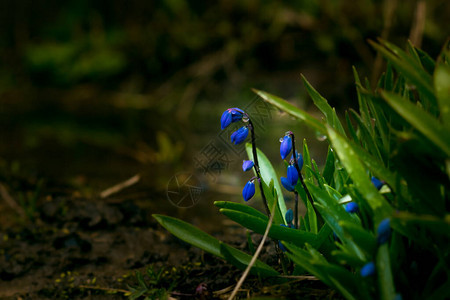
(78, 248)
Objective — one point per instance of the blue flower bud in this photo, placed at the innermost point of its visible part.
(286, 146)
(280, 244)
(229, 116)
(368, 269)
(352, 207)
(287, 185)
(377, 182)
(384, 231)
(239, 135)
(247, 165)
(299, 159)
(289, 216)
(248, 191)
(292, 175)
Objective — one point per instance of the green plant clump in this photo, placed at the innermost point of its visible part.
(377, 224)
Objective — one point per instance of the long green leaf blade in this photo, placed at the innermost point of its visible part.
(358, 173)
(297, 237)
(242, 208)
(204, 241)
(325, 108)
(421, 120)
(292, 110)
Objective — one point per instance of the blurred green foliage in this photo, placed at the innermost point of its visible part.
(63, 43)
(111, 73)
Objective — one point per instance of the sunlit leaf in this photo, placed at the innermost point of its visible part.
(269, 175)
(292, 110)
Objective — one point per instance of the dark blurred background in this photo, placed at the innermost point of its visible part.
(94, 92)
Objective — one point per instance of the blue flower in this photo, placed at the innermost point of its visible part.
(229, 116)
(299, 159)
(289, 216)
(286, 146)
(368, 269)
(239, 135)
(292, 175)
(248, 191)
(352, 207)
(384, 231)
(247, 165)
(287, 185)
(377, 182)
(282, 246)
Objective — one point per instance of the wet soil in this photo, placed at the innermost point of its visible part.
(80, 248)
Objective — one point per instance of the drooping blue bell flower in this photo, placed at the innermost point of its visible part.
(384, 231)
(352, 207)
(280, 244)
(239, 135)
(299, 159)
(368, 269)
(377, 182)
(292, 175)
(289, 216)
(247, 165)
(229, 116)
(286, 146)
(249, 190)
(287, 185)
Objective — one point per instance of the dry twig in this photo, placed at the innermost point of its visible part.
(120, 186)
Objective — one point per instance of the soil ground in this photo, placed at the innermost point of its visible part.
(78, 248)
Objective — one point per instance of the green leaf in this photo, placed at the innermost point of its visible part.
(325, 108)
(269, 175)
(346, 258)
(312, 217)
(367, 136)
(363, 238)
(204, 241)
(358, 173)
(442, 87)
(319, 178)
(350, 127)
(307, 162)
(385, 280)
(297, 237)
(332, 275)
(242, 208)
(408, 67)
(240, 260)
(363, 108)
(292, 110)
(421, 120)
(328, 170)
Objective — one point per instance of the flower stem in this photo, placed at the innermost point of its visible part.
(296, 210)
(308, 194)
(256, 164)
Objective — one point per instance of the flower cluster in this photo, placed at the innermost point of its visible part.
(232, 115)
(290, 181)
